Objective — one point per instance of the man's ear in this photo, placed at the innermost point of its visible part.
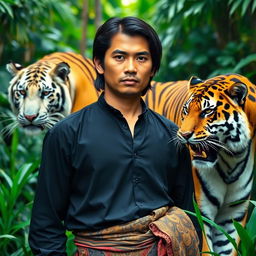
(98, 66)
(153, 72)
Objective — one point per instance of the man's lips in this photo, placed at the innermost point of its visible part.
(129, 81)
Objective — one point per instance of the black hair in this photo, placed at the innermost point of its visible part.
(131, 26)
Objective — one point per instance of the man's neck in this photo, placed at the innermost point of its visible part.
(129, 106)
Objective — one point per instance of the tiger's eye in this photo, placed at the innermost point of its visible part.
(45, 93)
(22, 92)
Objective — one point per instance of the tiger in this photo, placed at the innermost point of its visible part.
(218, 123)
(50, 89)
(219, 111)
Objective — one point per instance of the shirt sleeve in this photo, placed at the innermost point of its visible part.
(183, 191)
(47, 231)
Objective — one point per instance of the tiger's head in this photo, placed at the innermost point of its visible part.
(219, 116)
(39, 94)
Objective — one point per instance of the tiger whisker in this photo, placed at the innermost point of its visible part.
(220, 145)
(57, 115)
(7, 130)
(213, 147)
(177, 143)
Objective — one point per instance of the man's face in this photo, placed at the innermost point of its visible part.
(127, 66)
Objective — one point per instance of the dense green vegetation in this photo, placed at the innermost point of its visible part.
(203, 38)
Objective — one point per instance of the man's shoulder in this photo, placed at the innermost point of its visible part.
(163, 119)
(73, 120)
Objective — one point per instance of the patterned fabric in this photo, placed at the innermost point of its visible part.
(83, 251)
(177, 234)
(171, 228)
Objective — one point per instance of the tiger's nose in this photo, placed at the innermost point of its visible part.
(31, 117)
(186, 135)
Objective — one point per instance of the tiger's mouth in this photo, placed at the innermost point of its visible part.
(32, 126)
(206, 154)
(33, 129)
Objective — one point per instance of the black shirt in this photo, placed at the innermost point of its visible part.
(94, 174)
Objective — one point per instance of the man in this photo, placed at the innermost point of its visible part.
(110, 172)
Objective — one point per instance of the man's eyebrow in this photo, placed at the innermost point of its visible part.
(119, 51)
(143, 53)
(125, 53)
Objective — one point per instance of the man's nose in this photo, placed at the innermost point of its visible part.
(131, 66)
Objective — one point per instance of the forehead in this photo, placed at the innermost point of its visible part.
(128, 43)
(35, 74)
(199, 103)
(207, 94)
(211, 89)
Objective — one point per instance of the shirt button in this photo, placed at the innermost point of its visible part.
(136, 180)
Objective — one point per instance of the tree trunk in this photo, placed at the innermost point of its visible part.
(29, 52)
(84, 27)
(1, 51)
(98, 14)
(224, 25)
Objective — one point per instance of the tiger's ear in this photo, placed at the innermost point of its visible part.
(193, 81)
(13, 68)
(62, 70)
(238, 92)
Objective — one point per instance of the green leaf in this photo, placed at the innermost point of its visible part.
(4, 100)
(20, 180)
(245, 6)
(180, 5)
(246, 241)
(171, 11)
(20, 226)
(14, 150)
(250, 226)
(212, 223)
(253, 202)
(199, 216)
(8, 237)
(6, 178)
(250, 58)
(235, 5)
(253, 6)
(25, 171)
(7, 8)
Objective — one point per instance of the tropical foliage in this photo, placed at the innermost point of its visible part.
(203, 38)
(247, 234)
(207, 38)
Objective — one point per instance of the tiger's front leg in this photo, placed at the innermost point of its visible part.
(221, 244)
(207, 245)
(225, 217)
(209, 198)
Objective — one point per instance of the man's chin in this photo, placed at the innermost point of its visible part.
(130, 92)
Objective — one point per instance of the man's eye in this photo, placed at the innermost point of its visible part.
(119, 57)
(142, 58)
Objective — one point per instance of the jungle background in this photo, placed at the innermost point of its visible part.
(202, 38)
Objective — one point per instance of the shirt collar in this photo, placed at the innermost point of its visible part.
(105, 105)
